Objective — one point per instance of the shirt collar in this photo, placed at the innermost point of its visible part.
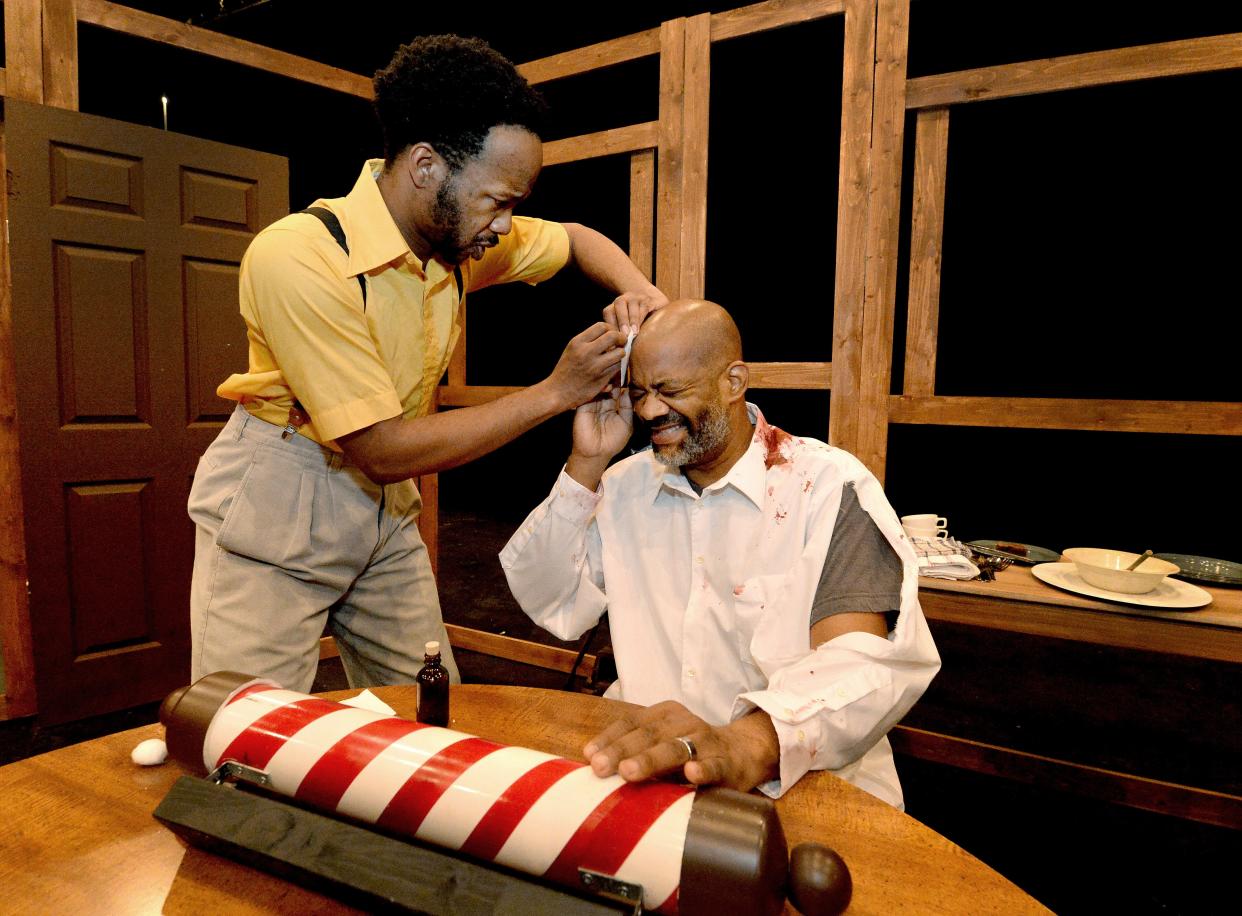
(374, 239)
(748, 475)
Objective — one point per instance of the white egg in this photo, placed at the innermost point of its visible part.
(149, 753)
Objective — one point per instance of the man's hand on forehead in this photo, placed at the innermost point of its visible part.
(628, 311)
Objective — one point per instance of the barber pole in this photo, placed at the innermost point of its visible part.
(524, 809)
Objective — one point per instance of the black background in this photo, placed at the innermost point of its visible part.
(1090, 247)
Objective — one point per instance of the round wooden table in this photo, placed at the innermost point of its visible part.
(78, 835)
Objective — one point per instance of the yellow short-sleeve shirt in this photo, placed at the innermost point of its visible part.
(311, 337)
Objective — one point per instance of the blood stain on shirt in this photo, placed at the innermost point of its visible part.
(776, 443)
(780, 515)
(806, 486)
(738, 589)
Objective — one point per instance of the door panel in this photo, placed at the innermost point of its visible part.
(126, 243)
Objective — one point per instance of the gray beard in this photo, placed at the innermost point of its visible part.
(713, 432)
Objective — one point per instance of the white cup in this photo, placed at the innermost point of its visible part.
(925, 526)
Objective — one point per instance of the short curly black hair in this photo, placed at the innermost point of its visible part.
(450, 92)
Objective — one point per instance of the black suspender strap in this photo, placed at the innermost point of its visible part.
(328, 218)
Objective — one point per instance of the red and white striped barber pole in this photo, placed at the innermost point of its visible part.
(524, 809)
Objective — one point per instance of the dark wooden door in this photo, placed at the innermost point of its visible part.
(125, 244)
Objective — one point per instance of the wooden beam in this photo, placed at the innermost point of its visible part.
(497, 646)
(1173, 799)
(931, 158)
(1203, 418)
(772, 14)
(592, 57)
(853, 188)
(791, 376)
(472, 395)
(519, 650)
(1077, 71)
(15, 641)
(4, 83)
(23, 50)
(604, 143)
(883, 230)
(60, 54)
(203, 41)
(642, 211)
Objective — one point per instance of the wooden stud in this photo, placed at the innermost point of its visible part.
(1201, 418)
(23, 50)
(605, 143)
(642, 211)
(18, 698)
(696, 101)
(1077, 71)
(852, 203)
(204, 41)
(931, 154)
(883, 228)
(429, 517)
(670, 205)
(60, 54)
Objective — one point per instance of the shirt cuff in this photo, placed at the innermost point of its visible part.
(572, 501)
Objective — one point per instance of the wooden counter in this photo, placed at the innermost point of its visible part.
(1018, 602)
(79, 836)
(1115, 702)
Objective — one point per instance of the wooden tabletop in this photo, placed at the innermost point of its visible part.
(79, 837)
(1018, 602)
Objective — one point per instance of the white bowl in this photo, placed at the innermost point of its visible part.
(1106, 569)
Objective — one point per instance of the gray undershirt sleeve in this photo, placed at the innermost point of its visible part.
(862, 572)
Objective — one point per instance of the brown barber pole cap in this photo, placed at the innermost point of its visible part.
(187, 712)
(735, 859)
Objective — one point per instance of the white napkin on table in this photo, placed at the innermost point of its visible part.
(944, 558)
(368, 700)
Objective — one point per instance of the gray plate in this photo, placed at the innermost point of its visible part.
(1205, 569)
(1033, 554)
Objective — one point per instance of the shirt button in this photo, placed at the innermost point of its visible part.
(699, 560)
(690, 672)
(802, 736)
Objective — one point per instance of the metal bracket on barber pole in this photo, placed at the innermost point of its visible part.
(613, 888)
(238, 772)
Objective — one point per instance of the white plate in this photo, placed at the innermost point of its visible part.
(1171, 593)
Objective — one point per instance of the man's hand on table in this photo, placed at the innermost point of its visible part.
(643, 744)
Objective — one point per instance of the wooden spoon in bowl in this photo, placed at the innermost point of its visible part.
(1134, 565)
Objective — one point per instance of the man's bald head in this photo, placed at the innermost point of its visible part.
(699, 331)
(688, 387)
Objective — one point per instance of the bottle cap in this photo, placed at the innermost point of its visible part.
(433, 648)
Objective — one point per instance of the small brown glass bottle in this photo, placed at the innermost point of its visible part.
(433, 689)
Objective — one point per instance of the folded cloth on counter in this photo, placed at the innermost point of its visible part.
(944, 558)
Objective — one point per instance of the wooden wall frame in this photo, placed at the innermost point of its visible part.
(933, 98)
(668, 164)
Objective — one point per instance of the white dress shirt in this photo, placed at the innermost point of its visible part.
(709, 599)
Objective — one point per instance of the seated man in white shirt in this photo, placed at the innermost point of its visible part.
(762, 599)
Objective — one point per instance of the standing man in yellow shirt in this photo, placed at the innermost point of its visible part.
(305, 507)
